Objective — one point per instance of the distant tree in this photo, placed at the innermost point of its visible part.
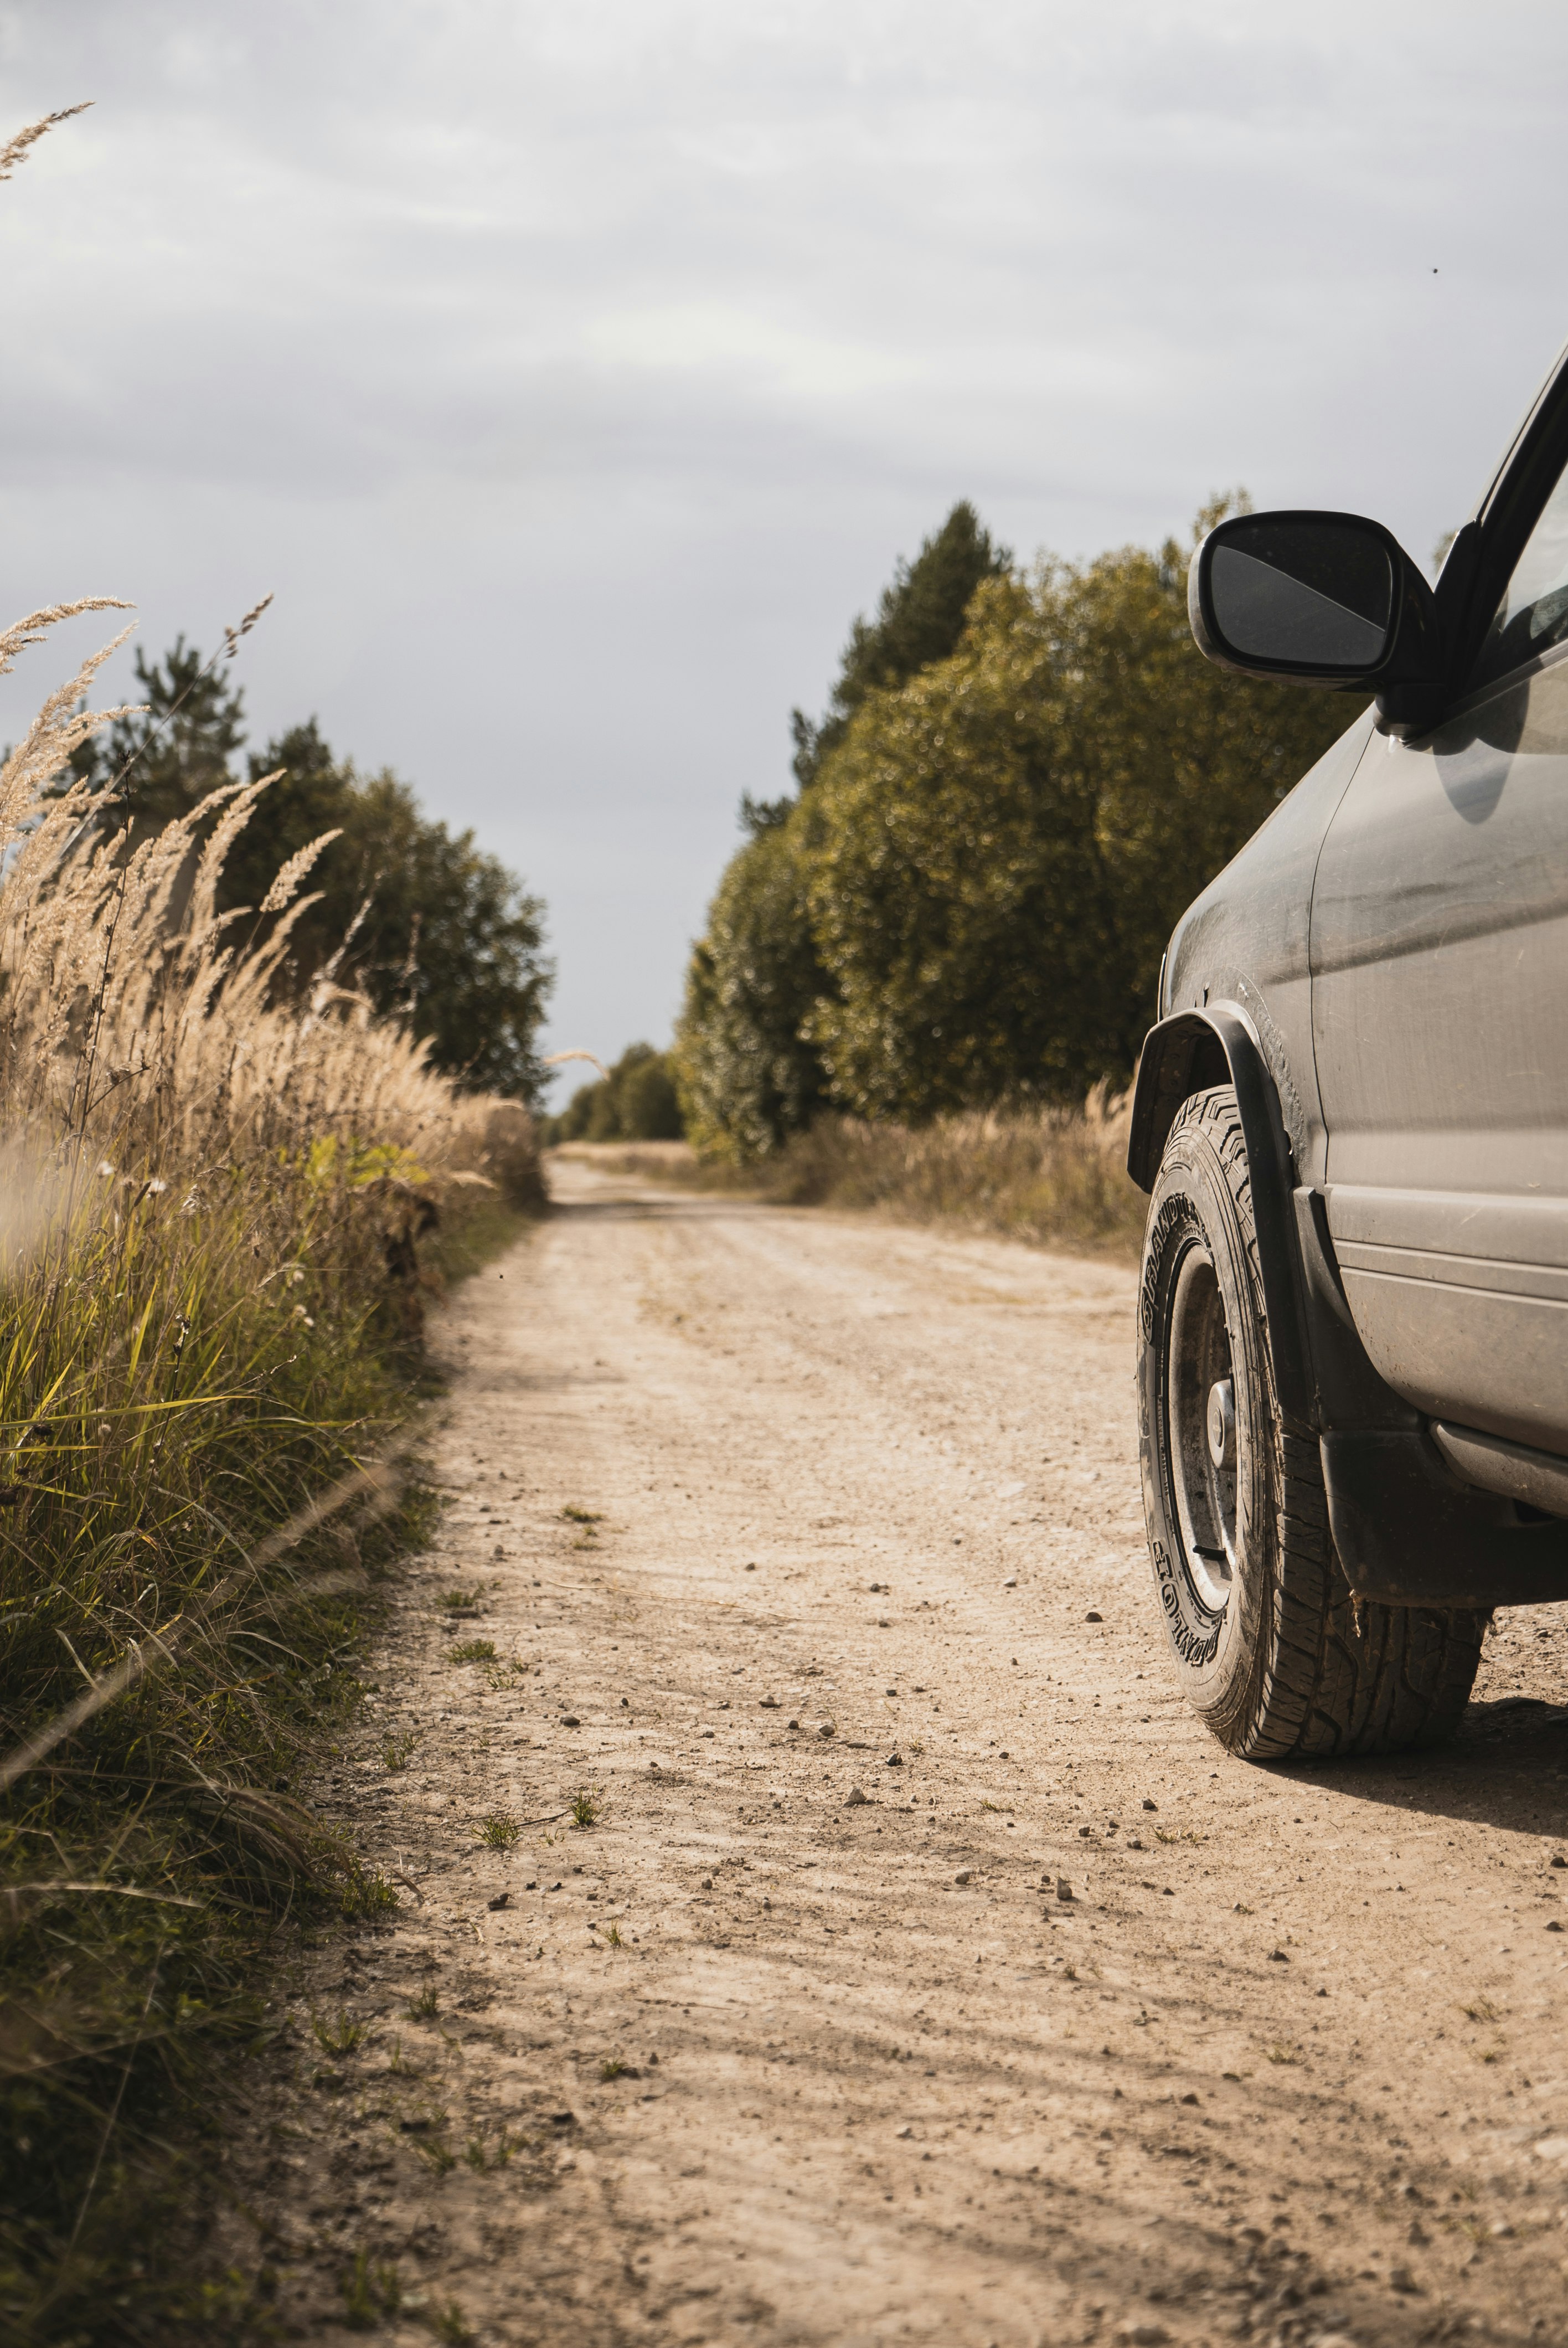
(438, 931)
(1183, 760)
(167, 759)
(648, 1106)
(968, 904)
(750, 1070)
(919, 621)
(450, 939)
(748, 1075)
(635, 1102)
(957, 896)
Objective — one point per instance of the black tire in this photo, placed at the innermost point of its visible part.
(1272, 1656)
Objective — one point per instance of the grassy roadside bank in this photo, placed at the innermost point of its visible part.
(1054, 1178)
(155, 1865)
(224, 1203)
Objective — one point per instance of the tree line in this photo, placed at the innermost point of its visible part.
(635, 1101)
(1018, 783)
(424, 923)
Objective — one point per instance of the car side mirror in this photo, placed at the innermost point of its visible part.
(1324, 599)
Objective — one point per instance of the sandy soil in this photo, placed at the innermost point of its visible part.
(1072, 2029)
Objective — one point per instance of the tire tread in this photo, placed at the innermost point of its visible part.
(1335, 1679)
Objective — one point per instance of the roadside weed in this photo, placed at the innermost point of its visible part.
(365, 1891)
(369, 2292)
(1282, 2053)
(450, 2324)
(576, 1516)
(472, 1650)
(424, 2005)
(612, 1937)
(458, 1602)
(585, 1808)
(396, 1751)
(339, 2037)
(500, 1830)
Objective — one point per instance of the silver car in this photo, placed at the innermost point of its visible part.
(1352, 1122)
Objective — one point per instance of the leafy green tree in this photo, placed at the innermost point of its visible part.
(1006, 841)
(421, 921)
(450, 939)
(1183, 760)
(968, 902)
(956, 892)
(747, 1073)
(635, 1102)
(648, 1106)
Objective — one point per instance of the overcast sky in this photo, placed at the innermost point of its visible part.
(574, 370)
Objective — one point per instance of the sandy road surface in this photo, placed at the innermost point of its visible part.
(1290, 2064)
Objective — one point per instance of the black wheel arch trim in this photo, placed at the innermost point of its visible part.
(1409, 1531)
(1183, 1055)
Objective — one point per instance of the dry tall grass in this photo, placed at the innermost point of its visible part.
(212, 1189)
(1054, 1178)
(136, 1017)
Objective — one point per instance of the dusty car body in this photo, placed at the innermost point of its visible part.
(1372, 995)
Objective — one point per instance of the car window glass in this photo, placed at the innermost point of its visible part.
(1533, 613)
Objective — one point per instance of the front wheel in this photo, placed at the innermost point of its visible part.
(1272, 1654)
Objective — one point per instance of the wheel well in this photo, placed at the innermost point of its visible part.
(1185, 1055)
(1182, 1056)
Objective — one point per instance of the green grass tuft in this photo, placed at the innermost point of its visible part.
(339, 2037)
(369, 2294)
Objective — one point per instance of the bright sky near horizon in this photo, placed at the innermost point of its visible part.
(574, 373)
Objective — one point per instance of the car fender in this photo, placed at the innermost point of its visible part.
(1183, 1055)
(1409, 1531)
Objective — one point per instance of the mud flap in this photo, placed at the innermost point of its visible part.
(1408, 1533)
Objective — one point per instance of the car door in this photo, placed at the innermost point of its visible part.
(1438, 949)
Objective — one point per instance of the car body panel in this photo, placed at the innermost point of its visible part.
(1247, 940)
(1438, 954)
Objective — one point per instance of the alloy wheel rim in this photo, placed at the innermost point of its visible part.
(1202, 1438)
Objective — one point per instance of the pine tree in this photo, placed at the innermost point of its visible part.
(167, 759)
(918, 621)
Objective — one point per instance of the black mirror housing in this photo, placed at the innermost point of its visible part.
(1320, 599)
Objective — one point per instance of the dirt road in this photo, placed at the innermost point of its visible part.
(928, 1975)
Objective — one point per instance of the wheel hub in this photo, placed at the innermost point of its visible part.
(1201, 1429)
